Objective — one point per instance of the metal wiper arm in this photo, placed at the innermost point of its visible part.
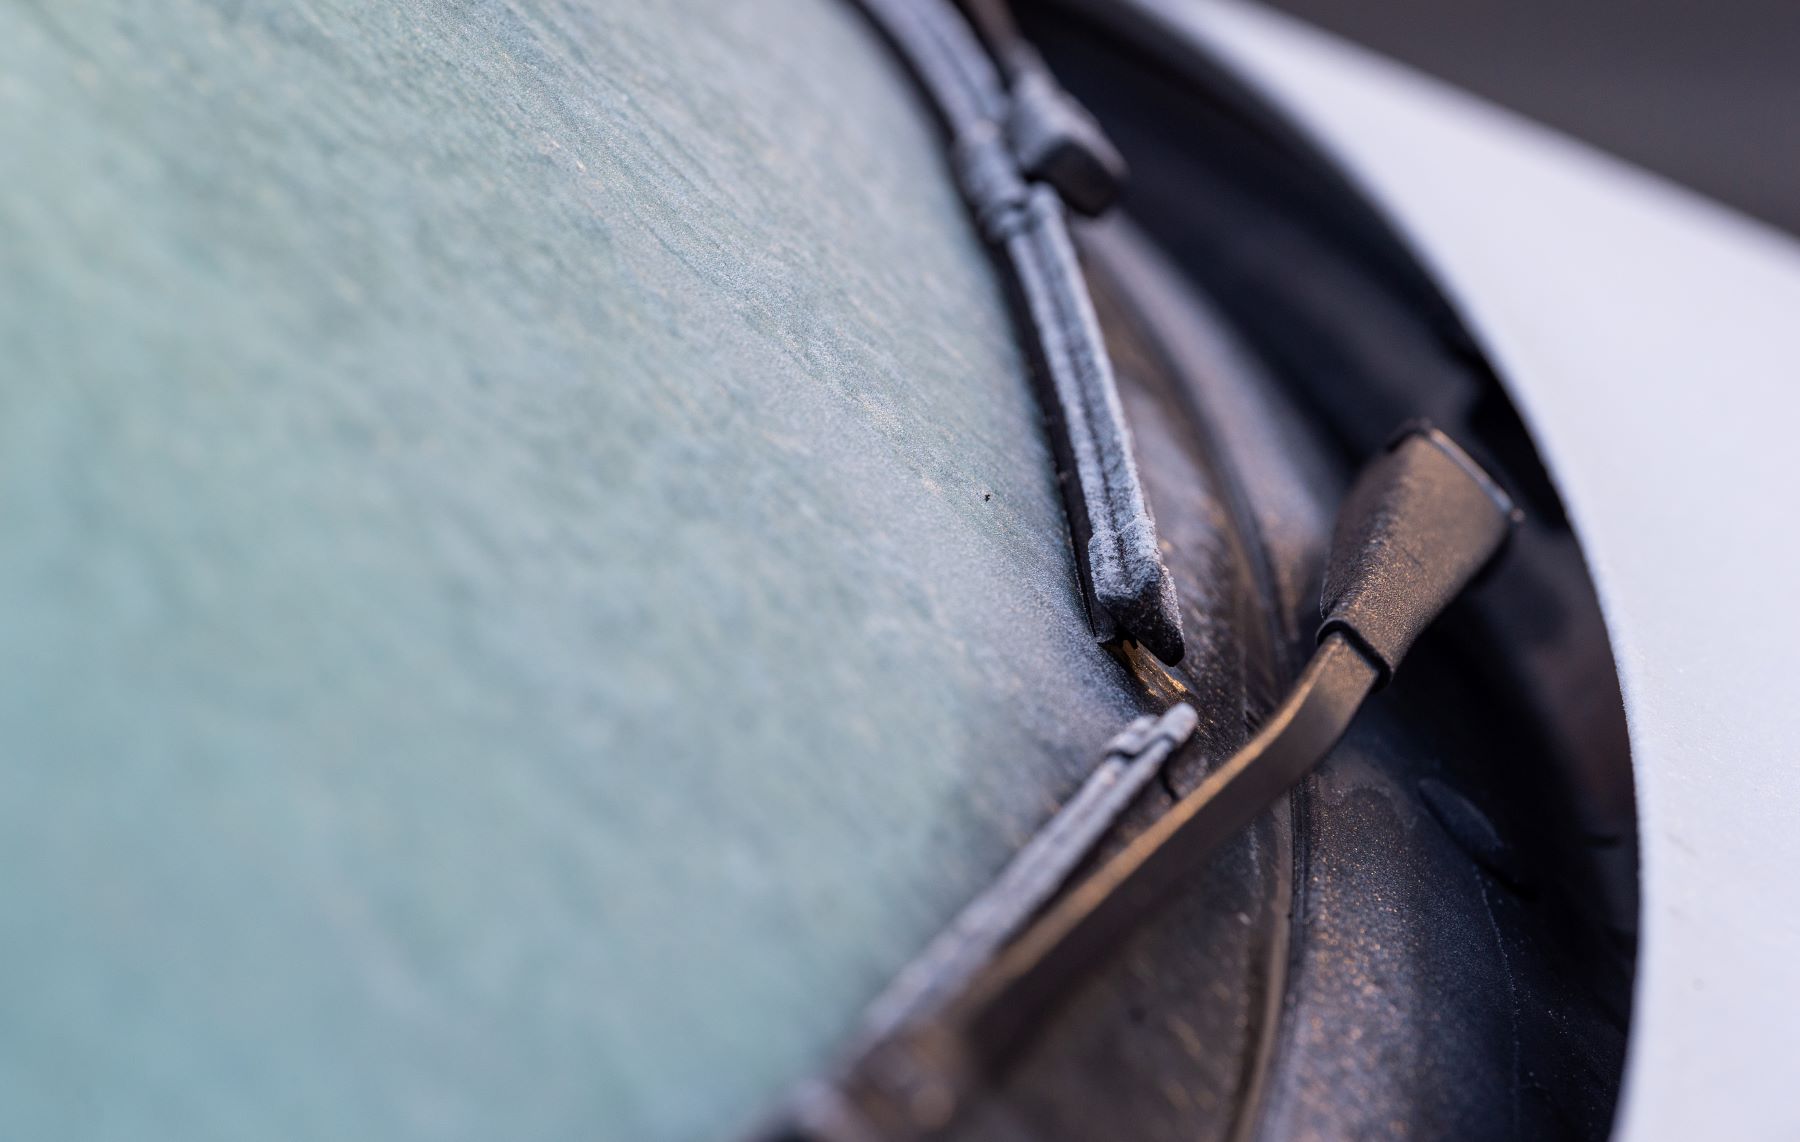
(1092, 920)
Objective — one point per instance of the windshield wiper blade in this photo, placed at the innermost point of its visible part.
(1020, 147)
(1043, 866)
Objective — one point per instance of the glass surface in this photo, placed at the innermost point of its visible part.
(529, 566)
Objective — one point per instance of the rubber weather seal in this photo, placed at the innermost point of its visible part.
(1021, 149)
(1421, 522)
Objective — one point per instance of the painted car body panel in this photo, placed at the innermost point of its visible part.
(1650, 340)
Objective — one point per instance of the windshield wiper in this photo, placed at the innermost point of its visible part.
(1421, 522)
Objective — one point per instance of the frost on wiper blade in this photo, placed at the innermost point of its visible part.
(1020, 148)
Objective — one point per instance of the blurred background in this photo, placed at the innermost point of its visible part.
(1703, 91)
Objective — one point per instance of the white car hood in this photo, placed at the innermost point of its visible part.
(1651, 341)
